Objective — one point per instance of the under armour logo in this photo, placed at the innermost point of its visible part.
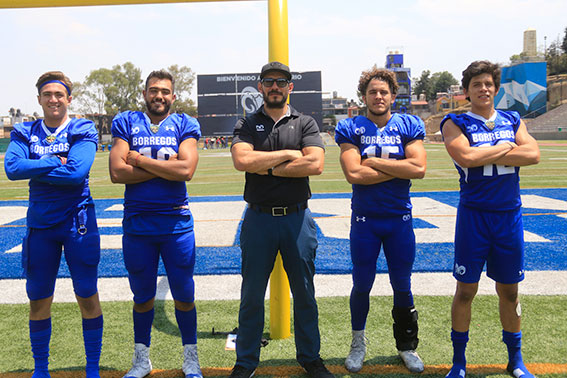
(460, 269)
(259, 127)
(394, 128)
(169, 128)
(360, 219)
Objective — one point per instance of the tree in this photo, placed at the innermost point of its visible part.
(564, 44)
(110, 90)
(423, 85)
(441, 82)
(184, 79)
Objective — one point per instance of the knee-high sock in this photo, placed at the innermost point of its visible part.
(143, 327)
(92, 337)
(40, 335)
(187, 322)
(359, 305)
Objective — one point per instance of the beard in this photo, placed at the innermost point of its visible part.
(154, 110)
(378, 114)
(274, 104)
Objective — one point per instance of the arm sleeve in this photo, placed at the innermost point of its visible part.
(19, 166)
(241, 132)
(79, 161)
(343, 132)
(190, 128)
(311, 134)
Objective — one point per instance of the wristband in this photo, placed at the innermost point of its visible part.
(136, 160)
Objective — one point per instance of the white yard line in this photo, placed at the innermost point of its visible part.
(225, 287)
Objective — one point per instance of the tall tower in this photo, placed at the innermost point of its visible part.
(530, 43)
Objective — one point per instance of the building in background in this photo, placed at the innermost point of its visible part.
(395, 62)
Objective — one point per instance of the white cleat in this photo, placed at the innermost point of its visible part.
(355, 358)
(141, 364)
(191, 367)
(412, 360)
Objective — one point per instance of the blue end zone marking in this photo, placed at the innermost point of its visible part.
(333, 255)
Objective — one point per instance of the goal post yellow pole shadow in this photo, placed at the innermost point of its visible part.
(278, 47)
(278, 44)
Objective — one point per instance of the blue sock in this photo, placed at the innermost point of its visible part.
(40, 335)
(459, 340)
(359, 305)
(516, 367)
(403, 299)
(92, 337)
(143, 327)
(187, 322)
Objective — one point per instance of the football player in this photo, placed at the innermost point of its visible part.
(55, 154)
(488, 146)
(154, 153)
(380, 153)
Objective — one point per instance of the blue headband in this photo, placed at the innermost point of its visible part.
(55, 81)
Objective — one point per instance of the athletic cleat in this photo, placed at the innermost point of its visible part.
(316, 369)
(456, 372)
(519, 372)
(141, 364)
(355, 358)
(412, 360)
(191, 367)
(241, 372)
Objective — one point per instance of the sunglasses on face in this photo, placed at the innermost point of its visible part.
(269, 82)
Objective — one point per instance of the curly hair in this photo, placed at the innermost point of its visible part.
(380, 74)
(480, 67)
(52, 76)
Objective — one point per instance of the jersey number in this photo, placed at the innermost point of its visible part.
(488, 169)
(385, 152)
(163, 153)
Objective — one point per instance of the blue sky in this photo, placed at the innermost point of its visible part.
(338, 38)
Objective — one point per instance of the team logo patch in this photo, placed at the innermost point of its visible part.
(406, 217)
(490, 124)
(50, 138)
(259, 127)
(34, 138)
(460, 269)
(359, 130)
(154, 128)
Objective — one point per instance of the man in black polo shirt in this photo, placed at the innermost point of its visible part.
(279, 149)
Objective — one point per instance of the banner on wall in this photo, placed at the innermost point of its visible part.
(222, 99)
(523, 88)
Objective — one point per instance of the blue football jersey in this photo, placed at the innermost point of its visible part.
(55, 189)
(390, 197)
(490, 187)
(146, 201)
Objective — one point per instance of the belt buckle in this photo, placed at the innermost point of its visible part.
(279, 211)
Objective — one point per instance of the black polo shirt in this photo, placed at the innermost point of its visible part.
(293, 132)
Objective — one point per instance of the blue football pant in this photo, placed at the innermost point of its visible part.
(492, 237)
(42, 250)
(141, 257)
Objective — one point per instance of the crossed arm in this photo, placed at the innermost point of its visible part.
(285, 163)
(524, 151)
(56, 170)
(129, 167)
(377, 170)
